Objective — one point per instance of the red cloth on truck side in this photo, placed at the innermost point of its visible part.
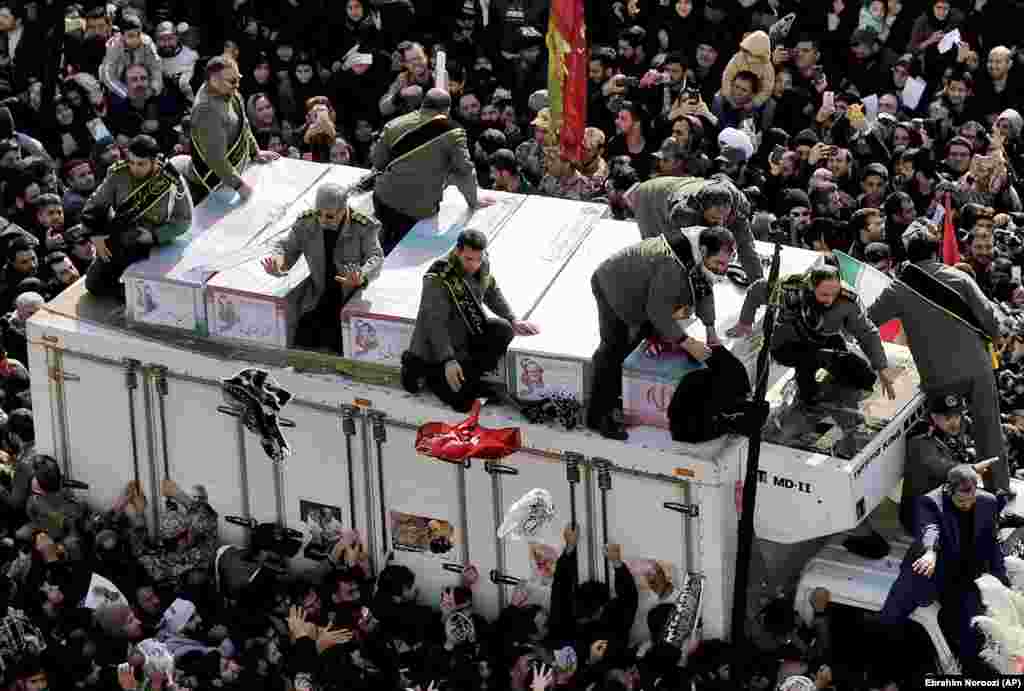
(467, 439)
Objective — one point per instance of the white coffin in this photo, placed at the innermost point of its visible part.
(168, 288)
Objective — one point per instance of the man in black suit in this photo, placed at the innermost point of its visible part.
(957, 541)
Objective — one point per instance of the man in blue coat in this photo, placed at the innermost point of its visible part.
(957, 541)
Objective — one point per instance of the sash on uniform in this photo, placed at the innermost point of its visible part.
(238, 152)
(411, 141)
(144, 197)
(469, 308)
(948, 300)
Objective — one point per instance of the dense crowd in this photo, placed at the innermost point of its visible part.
(842, 123)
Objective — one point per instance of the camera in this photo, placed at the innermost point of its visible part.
(692, 94)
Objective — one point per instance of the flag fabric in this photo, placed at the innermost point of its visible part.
(567, 76)
(868, 282)
(950, 247)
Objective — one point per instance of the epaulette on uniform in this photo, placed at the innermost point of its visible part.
(117, 167)
(307, 215)
(363, 219)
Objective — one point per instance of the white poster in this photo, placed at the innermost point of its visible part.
(102, 592)
(163, 304)
(378, 340)
(539, 377)
(251, 319)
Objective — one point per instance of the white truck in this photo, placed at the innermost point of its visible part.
(138, 396)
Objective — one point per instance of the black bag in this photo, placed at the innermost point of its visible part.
(703, 398)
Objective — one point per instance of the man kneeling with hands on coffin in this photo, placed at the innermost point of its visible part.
(641, 291)
(454, 342)
(143, 202)
(342, 249)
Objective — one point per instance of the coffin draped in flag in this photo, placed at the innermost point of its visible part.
(567, 75)
(869, 282)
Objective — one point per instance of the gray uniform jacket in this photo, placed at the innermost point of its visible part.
(215, 125)
(645, 283)
(167, 219)
(846, 315)
(440, 333)
(358, 244)
(655, 199)
(415, 184)
(945, 350)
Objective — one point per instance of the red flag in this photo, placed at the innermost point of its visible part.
(950, 247)
(567, 75)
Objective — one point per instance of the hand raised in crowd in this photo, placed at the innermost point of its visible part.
(102, 249)
(453, 375)
(543, 678)
(298, 627)
(597, 651)
(614, 552)
(570, 536)
(327, 638)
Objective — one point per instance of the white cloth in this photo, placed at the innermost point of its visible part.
(176, 616)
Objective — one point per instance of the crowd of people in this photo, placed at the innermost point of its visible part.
(828, 126)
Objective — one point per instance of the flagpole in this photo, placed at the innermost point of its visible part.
(746, 524)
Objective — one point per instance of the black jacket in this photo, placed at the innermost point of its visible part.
(615, 621)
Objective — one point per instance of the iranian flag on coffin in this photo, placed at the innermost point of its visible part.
(868, 282)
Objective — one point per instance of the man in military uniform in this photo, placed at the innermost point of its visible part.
(342, 249)
(143, 202)
(415, 157)
(934, 446)
(222, 140)
(641, 291)
(454, 343)
(950, 326)
(815, 308)
(668, 203)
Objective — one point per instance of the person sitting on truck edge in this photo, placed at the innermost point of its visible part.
(949, 323)
(454, 343)
(351, 240)
(956, 541)
(815, 307)
(143, 202)
(640, 292)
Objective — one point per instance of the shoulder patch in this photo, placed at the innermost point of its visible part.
(364, 219)
(308, 213)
